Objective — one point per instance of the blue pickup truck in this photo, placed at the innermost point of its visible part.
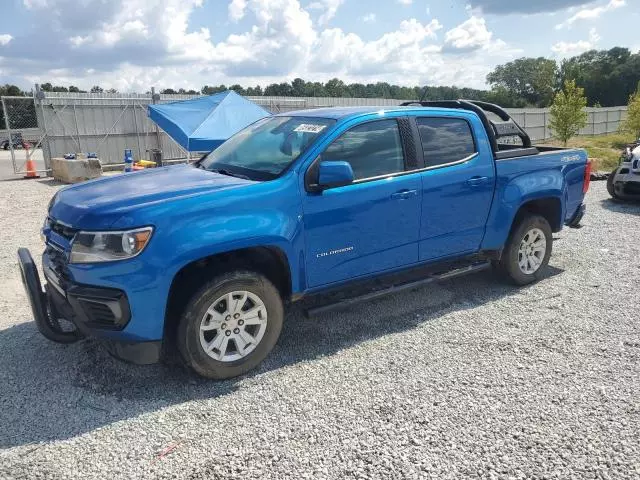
(206, 257)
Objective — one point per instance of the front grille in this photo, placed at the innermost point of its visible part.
(58, 262)
(62, 229)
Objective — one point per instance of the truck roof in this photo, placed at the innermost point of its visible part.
(342, 112)
(495, 120)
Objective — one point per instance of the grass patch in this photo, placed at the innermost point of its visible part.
(603, 150)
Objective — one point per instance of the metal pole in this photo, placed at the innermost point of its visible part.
(154, 100)
(46, 148)
(75, 117)
(135, 125)
(8, 125)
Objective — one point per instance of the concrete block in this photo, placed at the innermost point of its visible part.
(74, 171)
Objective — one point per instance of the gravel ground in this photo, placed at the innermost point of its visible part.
(466, 379)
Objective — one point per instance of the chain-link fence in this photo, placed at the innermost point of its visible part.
(20, 135)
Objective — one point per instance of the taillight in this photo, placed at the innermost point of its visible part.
(587, 177)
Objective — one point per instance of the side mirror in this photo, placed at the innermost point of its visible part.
(333, 174)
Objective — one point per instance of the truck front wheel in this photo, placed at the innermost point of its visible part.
(230, 325)
(528, 249)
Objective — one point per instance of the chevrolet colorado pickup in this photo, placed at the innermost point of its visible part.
(205, 257)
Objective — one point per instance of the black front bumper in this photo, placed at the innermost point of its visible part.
(95, 311)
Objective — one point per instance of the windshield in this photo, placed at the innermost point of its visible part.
(263, 150)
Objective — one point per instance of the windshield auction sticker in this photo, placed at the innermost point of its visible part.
(309, 128)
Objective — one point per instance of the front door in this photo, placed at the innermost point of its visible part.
(371, 225)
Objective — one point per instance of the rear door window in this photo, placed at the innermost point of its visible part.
(445, 140)
(373, 149)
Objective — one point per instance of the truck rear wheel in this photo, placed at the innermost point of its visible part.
(528, 249)
(230, 325)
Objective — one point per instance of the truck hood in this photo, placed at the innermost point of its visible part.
(100, 203)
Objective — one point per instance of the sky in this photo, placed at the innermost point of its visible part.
(132, 45)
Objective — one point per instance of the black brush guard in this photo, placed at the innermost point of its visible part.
(43, 313)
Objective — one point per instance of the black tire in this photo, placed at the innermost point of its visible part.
(508, 264)
(611, 187)
(188, 333)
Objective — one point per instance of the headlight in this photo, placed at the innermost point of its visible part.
(89, 247)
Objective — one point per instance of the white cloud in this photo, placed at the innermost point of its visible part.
(329, 8)
(567, 49)
(279, 41)
(5, 38)
(369, 18)
(469, 35)
(337, 51)
(131, 45)
(405, 2)
(237, 9)
(591, 13)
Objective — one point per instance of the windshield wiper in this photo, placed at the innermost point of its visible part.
(222, 171)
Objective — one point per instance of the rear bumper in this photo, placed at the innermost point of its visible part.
(98, 312)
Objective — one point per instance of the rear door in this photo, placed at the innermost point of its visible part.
(457, 186)
(371, 225)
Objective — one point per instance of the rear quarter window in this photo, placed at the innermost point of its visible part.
(445, 140)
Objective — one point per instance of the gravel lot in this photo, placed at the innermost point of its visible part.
(470, 378)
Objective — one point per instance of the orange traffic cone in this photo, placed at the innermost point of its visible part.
(31, 169)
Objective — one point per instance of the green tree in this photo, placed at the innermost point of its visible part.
(11, 91)
(238, 89)
(607, 76)
(97, 89)
(533, 79)
(632, 123)
(210, 90)
(336, 88)
(298, 86)
(568, 115)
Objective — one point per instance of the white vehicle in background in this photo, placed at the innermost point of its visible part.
(624, 181)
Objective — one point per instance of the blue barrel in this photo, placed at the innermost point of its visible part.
(128, 160)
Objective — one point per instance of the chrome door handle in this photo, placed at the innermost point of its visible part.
(476, 181)
(404, 194)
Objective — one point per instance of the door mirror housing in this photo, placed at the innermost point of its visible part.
(333, 174)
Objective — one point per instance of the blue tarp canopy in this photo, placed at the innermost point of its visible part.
(204, 123)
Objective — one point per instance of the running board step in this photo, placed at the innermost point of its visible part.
(477, 267)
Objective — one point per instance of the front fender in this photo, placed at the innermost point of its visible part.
(223, 234)
(263, 215)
